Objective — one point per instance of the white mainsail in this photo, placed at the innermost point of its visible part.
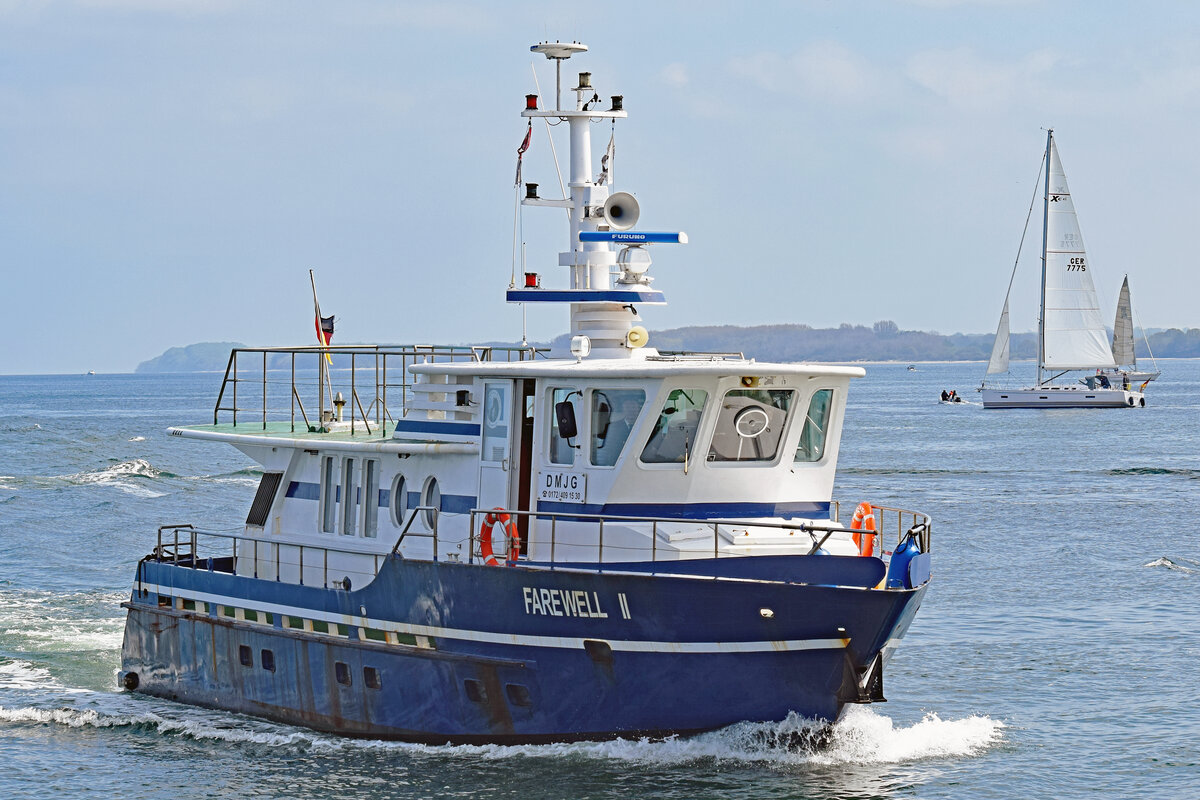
(999, 360)
(1073, 333)
(1122, 341)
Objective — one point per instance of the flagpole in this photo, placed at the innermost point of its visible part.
(323, 373)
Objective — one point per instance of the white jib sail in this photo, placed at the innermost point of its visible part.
(1122, 341)
(999, 360)
(1074, 336)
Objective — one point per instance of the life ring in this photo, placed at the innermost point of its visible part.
(485, 537)
(864, 521)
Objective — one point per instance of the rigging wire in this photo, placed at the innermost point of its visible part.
(561, 186)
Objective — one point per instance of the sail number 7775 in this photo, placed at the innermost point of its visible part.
(1076, 264)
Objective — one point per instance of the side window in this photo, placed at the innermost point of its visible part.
(673, 439)
(329, 494)
(399, 501)
(614, 415)
(564, 403)
(750, 424)
(370, 501)
(349, 496)
(433, 499)
(816, 425)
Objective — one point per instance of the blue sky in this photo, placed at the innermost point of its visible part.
(170, 171)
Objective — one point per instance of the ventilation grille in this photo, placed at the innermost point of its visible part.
(264, 499)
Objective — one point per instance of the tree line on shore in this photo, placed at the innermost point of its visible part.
(883, 341)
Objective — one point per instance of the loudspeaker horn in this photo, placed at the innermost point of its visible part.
(637, 337)
(621, 211)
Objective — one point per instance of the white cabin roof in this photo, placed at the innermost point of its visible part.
(633, 368)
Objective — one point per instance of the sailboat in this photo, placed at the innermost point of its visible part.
(1123, 353)
(1071, 334)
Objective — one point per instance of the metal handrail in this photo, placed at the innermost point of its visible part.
(170, 551)
(922, 527)
(431, 533)
(184, 551)
(386, 379)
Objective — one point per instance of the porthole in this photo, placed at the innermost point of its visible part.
(341, 671)
(245, 656)
(432, 499)
(475, 690)
(268, 660)
(518, 695)
(371, 678)
(399, 501)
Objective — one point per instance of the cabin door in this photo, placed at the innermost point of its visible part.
(496, 446)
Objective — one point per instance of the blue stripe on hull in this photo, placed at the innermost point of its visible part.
(704, 511)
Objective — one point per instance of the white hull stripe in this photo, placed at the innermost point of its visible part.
(565, 642)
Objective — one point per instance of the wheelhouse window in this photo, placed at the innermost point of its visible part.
(615, 414)
(370, 502)
(673, 439)
(750, 424)
(816, 427)
(564, 413)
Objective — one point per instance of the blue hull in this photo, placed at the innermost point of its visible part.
(524, 654)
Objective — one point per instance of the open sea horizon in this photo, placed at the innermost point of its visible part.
(1054, 655)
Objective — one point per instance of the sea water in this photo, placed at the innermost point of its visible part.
(1055, 654)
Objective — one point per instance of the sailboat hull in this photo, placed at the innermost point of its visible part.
(1062, 397)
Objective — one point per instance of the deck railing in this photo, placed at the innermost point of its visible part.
(920, 526)
(180, 544)
(275, 383)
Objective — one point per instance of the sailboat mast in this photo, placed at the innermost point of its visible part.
(1045, 232)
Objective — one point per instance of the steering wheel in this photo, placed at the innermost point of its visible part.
(750, 422)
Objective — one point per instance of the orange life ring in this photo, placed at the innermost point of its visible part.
(485, 537)
(864, 520)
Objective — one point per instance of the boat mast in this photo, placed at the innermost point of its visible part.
(1045, 232)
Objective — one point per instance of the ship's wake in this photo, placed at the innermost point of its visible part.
(862, 736)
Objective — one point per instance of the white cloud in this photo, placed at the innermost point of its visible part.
(674, 75)
(966, 81)
(827, 71)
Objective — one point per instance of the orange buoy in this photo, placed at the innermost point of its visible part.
(864, 521)
(486, 551)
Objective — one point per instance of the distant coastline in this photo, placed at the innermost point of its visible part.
(883, 341)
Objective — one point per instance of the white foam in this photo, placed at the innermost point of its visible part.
(862, 736)
(84, 634)
(121, 476)
(23, 675)
(1174, 565)
(137, 438)
(51, 622)
(192, 723)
